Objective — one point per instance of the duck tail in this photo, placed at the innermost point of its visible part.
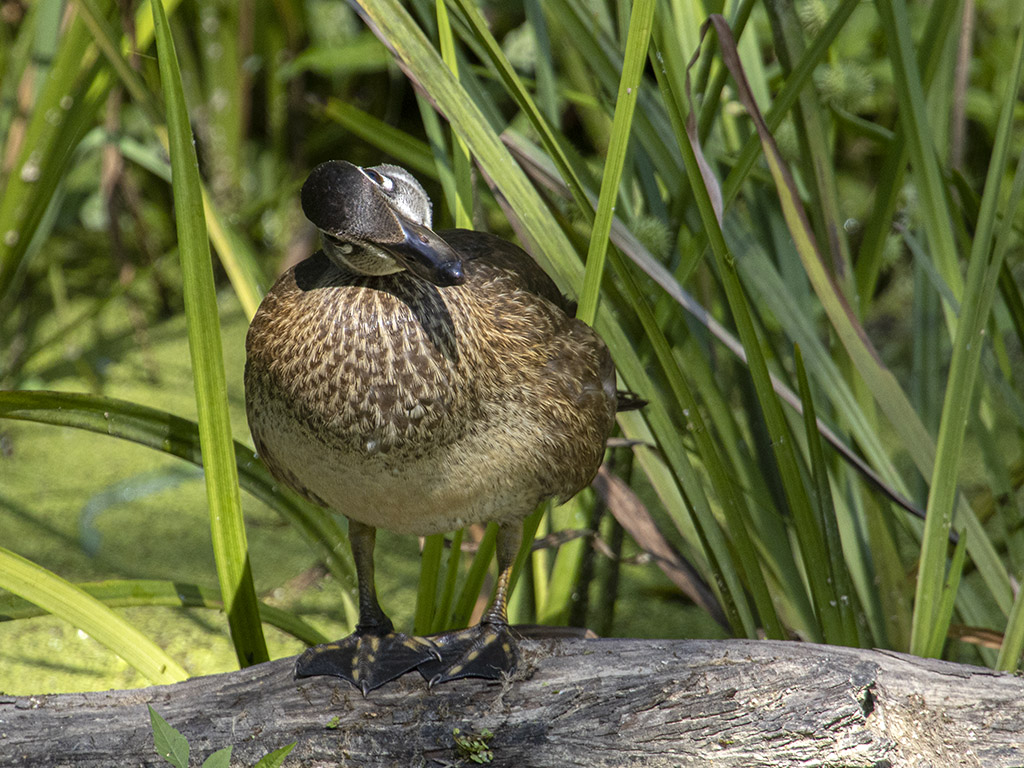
(628, 401)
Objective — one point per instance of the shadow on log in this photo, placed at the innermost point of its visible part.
(577, 703)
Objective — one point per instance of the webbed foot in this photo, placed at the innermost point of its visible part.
(487, 650)
(366, 659)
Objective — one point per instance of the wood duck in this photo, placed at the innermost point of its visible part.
(419, 382)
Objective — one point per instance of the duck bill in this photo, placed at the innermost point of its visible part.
(427, 255)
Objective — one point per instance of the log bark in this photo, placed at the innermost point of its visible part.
(575, 702)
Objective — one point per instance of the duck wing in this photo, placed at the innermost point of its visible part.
(483, 246)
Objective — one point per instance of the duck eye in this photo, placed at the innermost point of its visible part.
(379, 179)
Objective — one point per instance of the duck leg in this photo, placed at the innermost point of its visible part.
(374, 654)
(489, 649)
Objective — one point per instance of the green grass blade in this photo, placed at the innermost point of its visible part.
(637, 41)
(462, 204)
(977, 298)
(540, 566)
(235, 256)
(74, 91)
(547, 86)
(603, 59)
(947, 598)
(1013, 300)
(426, 595)
(1013, 637)
(229, 541)
(713, 92)
(105, 38)
(360, 53)
(838, 575)
(879, 379)
(223, 79)
(913, 115)
(782, 448)
(66, 601)
(409, 151)
(46, 149)
(815, 155)
(442, 616)
(474, 580)
(180, 437)
(13, 64)
(515, 88)
(772, 290)
(726, 569)
(124, 593)
(563, 578)
(736, 514)
(796, 83)
(441, 165)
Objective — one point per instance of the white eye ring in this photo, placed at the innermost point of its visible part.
(379, 179)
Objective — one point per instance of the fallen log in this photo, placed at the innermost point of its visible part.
(574, 702)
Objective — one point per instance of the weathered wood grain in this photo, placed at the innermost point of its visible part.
(578, 703)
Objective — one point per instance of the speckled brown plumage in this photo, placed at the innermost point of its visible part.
(421, 409)
(455, 390)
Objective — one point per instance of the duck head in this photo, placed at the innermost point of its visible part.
(376, 221)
